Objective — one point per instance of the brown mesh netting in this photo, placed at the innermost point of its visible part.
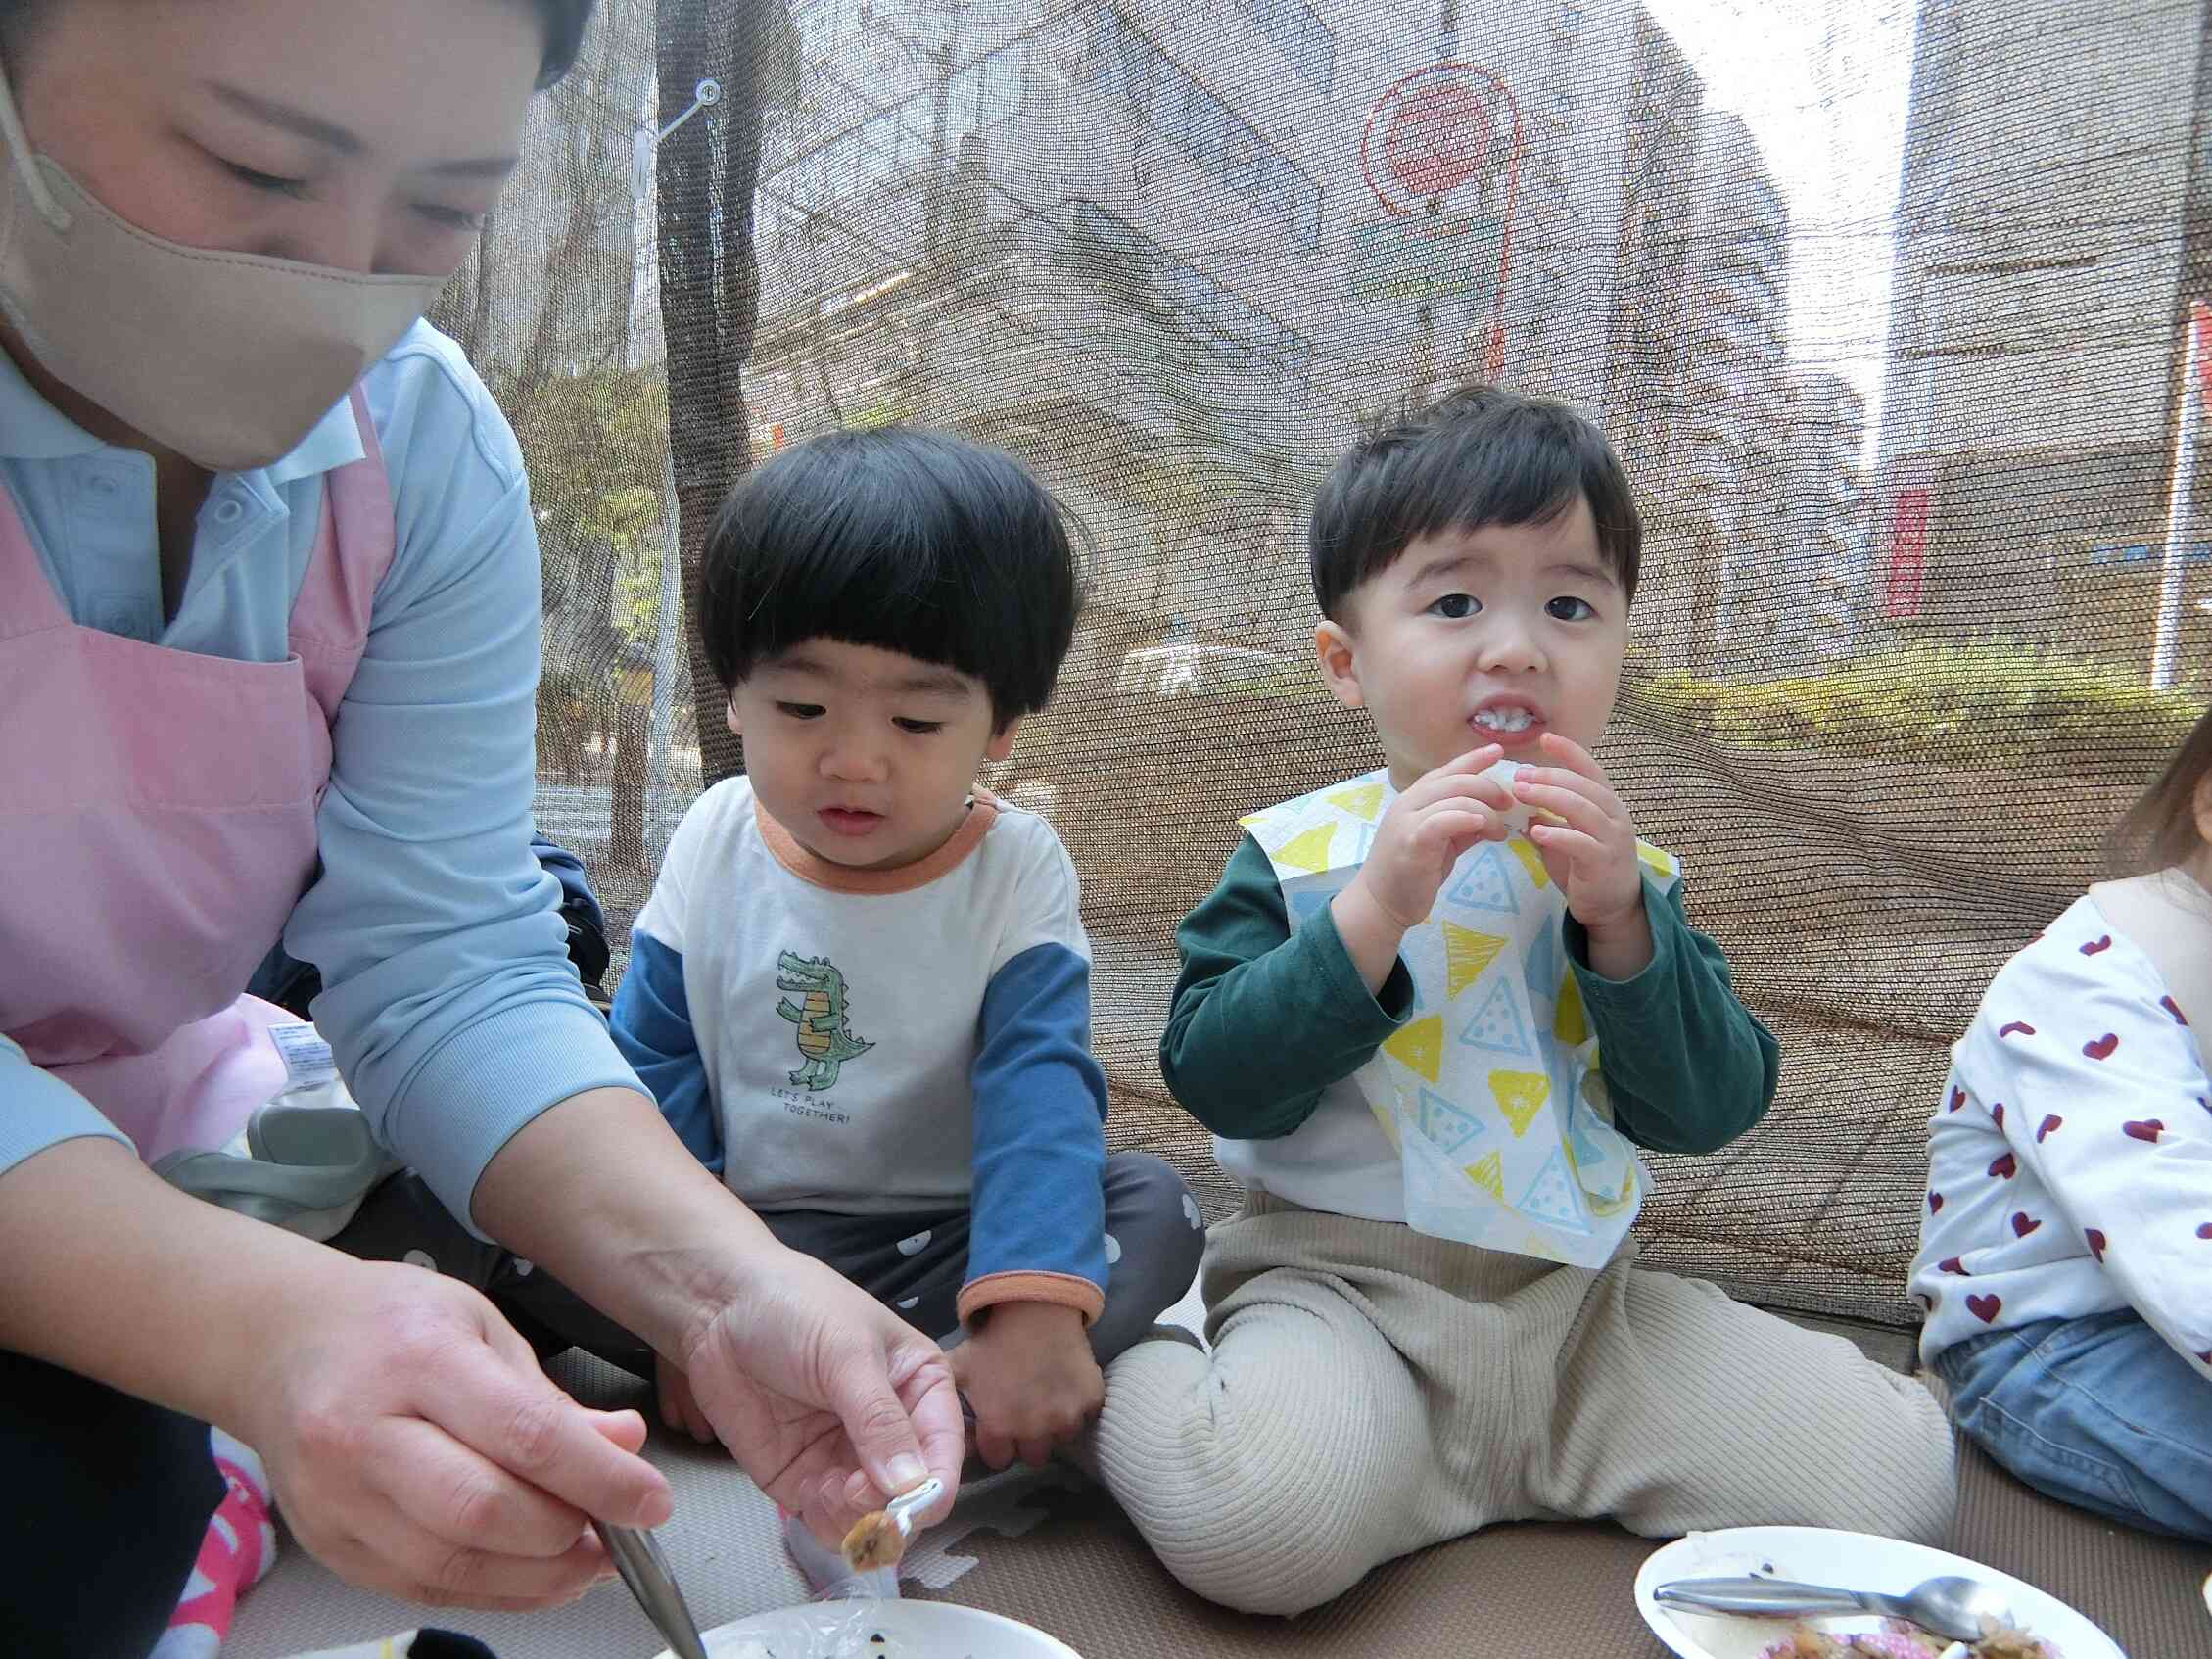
(1893, 346)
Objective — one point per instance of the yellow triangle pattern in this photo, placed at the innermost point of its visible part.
(1307, 851)
(1519, 1095)
(1465, 954)
(1489, 1174)
(1531, 860)
(1363, 800)
(1420, 1047)
(1568, 1024)
(1542, 1249)
(1388, 1119)
(1660, 864)
(1614, 1206)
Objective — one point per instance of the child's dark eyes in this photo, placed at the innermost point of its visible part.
(1568, 608)
(1456, 605)
(815, 711)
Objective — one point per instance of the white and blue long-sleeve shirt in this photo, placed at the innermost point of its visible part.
(449, 997)
(882, 1042)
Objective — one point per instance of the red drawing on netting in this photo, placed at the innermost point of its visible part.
(1436, 131)
(1445, 144)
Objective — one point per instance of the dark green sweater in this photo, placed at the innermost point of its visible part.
(1264, 1020)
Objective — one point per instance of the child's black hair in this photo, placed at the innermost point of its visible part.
(1483, 455)
(910, 541)
(2159, 832)
(565, 23)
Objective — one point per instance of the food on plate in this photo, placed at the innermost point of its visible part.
(830, 1633)
(1899, 1640)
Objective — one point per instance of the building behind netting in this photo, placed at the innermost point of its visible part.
(1173, 255)
(1177, 255)
(2056, 218)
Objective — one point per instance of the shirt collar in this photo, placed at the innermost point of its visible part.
(33, 429)
(30, 428)
(333, 441)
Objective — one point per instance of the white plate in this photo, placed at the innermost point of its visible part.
(1851, 1560)
(911, 1630)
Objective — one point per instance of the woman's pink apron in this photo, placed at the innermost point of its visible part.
(158, 824)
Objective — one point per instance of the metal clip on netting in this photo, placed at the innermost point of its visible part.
(645, 141)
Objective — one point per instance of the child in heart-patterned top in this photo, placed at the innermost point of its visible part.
(2065, 1263)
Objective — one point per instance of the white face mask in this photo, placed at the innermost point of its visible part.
(229, 360)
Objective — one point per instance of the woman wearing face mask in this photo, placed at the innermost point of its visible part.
(269, 636)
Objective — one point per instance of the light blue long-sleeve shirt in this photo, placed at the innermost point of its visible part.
(449, 997)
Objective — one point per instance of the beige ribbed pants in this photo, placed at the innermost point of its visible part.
(1372, 1390)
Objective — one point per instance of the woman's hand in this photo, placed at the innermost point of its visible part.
(413, 1441)
(415, 1447)
(829, 1399)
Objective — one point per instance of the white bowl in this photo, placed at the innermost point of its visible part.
(910, 1630)
(1847, 1560)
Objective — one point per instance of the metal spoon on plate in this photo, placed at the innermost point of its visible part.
(1958, 1609)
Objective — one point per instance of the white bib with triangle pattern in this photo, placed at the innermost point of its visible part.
(1491, 1091)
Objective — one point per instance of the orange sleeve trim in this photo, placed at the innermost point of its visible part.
(1062, 1290)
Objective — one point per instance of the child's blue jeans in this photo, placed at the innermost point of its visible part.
(2099, 1412)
